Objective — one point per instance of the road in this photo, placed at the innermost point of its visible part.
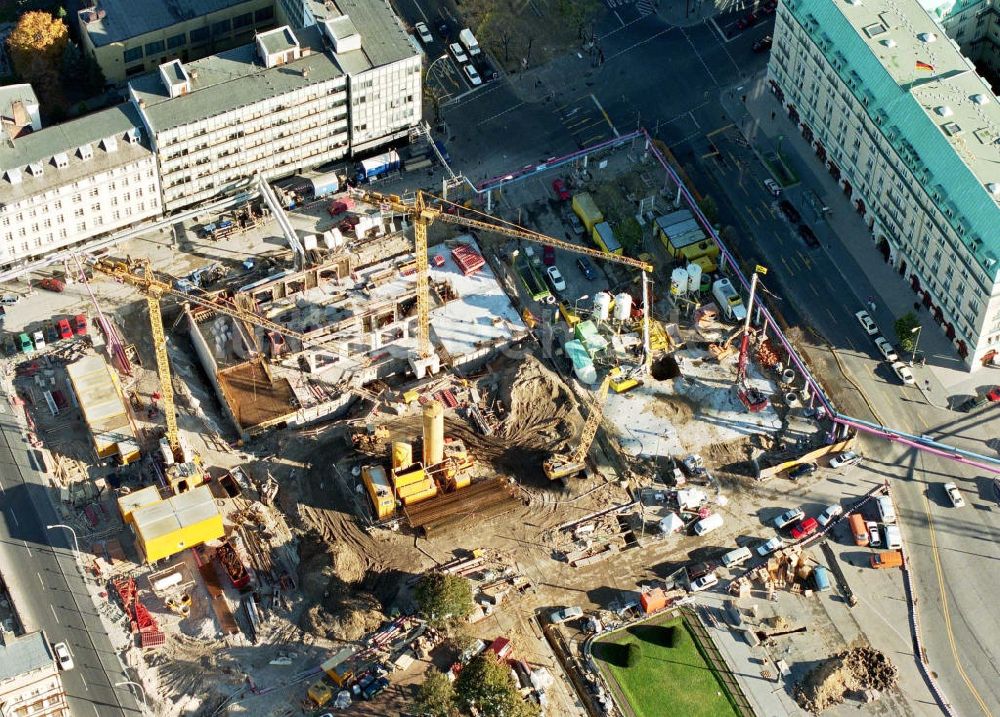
(51, 590)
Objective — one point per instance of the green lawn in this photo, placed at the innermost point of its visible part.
(667, 680)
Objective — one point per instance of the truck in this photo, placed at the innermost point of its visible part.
(469, 42)
(605, 239)
(373, 167)
(533, 282)
(417, 163)
(729, 300)
(586, 209)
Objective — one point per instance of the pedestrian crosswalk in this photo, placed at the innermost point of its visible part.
(646, 7)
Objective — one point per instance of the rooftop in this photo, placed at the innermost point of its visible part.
(941, 117)
(20, 655)
(126, 19)
(42, 146)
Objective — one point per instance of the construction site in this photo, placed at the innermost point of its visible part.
(265, 439)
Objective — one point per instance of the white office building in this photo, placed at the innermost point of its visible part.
(910, 130)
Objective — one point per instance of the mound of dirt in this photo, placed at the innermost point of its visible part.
(347, 616)
(860, 668)
(541, 409)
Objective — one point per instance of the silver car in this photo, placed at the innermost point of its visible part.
(867, 322)
(886, 349)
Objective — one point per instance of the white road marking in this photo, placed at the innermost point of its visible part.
(93, 705)
(700, 58)
(40, 579)
(26, 547)
(421, 11)
(619, 18)
(14, 518)
(54, 613)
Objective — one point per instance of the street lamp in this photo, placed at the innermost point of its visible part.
(142, 691)
(579, 299)
(76, 543)
(431, 66)
(916, 331)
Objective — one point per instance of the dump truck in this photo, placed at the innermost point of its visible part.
(374, 167)
(586, 209)
(534, 284)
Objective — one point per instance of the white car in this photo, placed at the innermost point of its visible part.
(704, 582)
(423, 33)
(847, 458)
(772, 187)
(903, 372)
(474, 79)
(874, 538)
(886, 349)
(770, 546)
(953, 495)
(39, 339)
(788, 517)
(829, 513)
(458, 53)
(556, 277)
(867, 322)
(62, 656)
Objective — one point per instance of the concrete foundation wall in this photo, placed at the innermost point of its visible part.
(208, 363)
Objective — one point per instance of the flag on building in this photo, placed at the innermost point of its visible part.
(925, 66)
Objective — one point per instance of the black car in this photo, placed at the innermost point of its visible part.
(586, 268)
(763, 44)
(802, 470)
(807, 234)
(9, 345)
(51, 335)
(789, 211)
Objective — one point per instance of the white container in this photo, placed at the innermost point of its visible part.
(678, 282)
(167, 582)
(602, 305)
(623, 307)
(694, 277)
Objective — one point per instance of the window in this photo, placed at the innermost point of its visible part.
(177, 40)
(265, 13)
(221, 28)
(132, 55)
(153, 48)
(243, 20)
(199, 35)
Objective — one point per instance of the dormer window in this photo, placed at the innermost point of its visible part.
(61, 160)
(109, 144)
(86, 151)
(36, 169)
(13, 176)
(132, 135)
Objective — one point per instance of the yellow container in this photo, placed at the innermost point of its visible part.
(379, 491)
(415, 488)
(402, 455)
(414, 473)
(419, 497)
(411, 396)
(586, 209)
(462, 480)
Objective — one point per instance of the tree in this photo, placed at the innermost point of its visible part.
(486, 686)
(630, 234)
(634, 654)
(709, 208)
(906, 326)
(36, 46)
(435, 696)
(443, 598)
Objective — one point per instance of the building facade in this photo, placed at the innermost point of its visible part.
(30, 685)
(64, 184)
(132, 37)
(903, 121)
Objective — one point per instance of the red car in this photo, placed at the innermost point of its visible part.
(548, 255)
(80, 324)
(805, 528)
(51, 284)
(559, 187)
(65, 332)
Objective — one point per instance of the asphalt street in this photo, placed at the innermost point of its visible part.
(50, 591)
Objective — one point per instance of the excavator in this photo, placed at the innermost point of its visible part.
(561, 465)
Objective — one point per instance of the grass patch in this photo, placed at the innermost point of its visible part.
(671, 678)
(781, 171)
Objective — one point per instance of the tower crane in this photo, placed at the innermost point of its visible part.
(751, 397)
(423, 213)
(560, 465)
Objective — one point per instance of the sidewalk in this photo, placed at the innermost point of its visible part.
(849, 243)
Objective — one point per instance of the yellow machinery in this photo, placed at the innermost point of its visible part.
(621, 382)
(559, 465)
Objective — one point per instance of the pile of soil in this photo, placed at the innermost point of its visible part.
(542, 411)
(857, 669)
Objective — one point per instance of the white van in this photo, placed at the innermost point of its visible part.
(893, 538)
(885, 510)
(735, 557)
(707, 525)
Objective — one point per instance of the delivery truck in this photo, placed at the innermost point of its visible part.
(729, 300)
(534, 284)
(586, 209)
(374, 167)
(469, 42)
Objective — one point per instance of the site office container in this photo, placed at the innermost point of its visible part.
(859, 530)
(605, 239)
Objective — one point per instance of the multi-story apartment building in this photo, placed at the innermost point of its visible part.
(132, 37)
(30, 685)
(905, 124)
(63, 184)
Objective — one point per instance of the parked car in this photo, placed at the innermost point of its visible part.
(51, 284)
(704, 582)
(559, 187)
(772, 187)
(51, 334)
(9, 345)
(829, 513)
(575, 224)
(847, 458)
(9, 299)
(886, 349)
(556, 277)
(874, 537)
(788, 517)
(801, 470)
(473, 75)
(954, 496)
(867, 322)
(903, 373)
(586, 268)
(790, 212)
(25, 343)
(763, 44)
(770, 546)
(808, 236)
(65, 332)
(567, 613)
(424, 33)
(63, 657)
(458, 53)
(375, 688)
(548, 255)
(39, 340)
(80, 325)
(804, 529)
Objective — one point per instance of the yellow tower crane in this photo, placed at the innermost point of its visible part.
(559, 465)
